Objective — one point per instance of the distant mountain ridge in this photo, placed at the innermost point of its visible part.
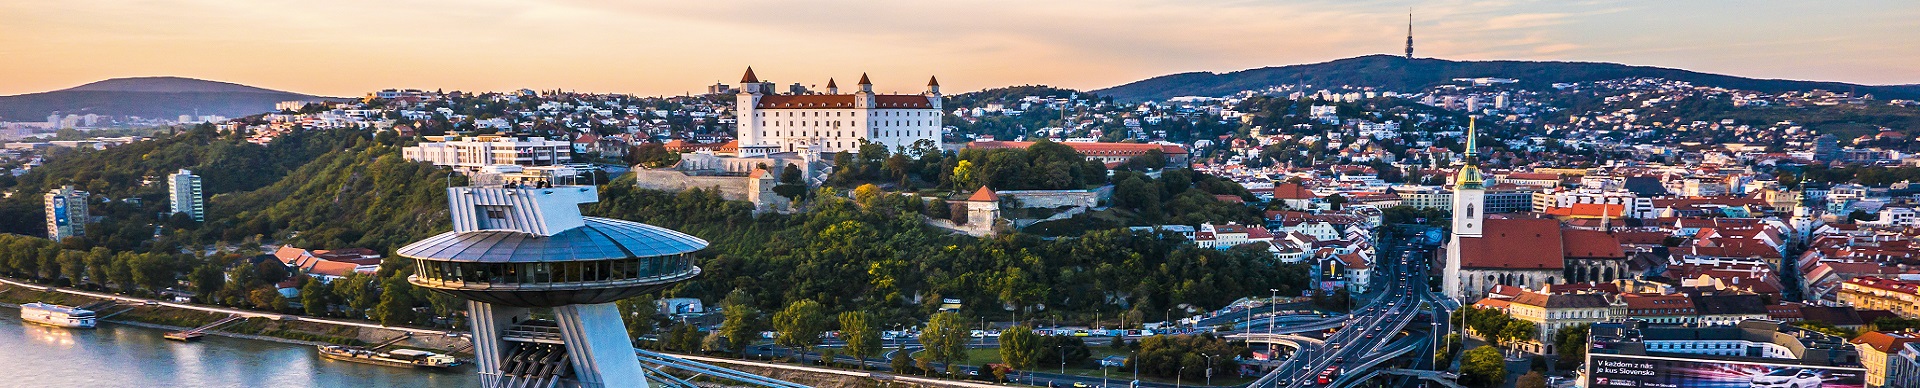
(150, 97)
(1401, 74)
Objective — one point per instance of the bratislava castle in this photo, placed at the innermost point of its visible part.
(833, 122)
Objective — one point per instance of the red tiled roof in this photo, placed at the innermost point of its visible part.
(1656, 305)
(1292, 191)
(1533, 176)
(1646, 238)
(1596, 210)
(1090, 149)
(1884, 342)
(984, 194)
(332, 268)
(1515, 243)
(841, 101)
(1590, 244)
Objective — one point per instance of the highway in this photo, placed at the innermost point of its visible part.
(1367, 338)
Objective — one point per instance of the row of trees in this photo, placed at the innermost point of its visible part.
(1497, 327)
(1045, 165)
(227, 279)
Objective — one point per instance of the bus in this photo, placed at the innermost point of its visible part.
(1328, 376)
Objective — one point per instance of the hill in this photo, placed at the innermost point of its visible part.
(1400, 74)
(151, 97)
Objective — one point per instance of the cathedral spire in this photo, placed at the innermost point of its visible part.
(1470, 178)
(1473, 141)
(1409, 33)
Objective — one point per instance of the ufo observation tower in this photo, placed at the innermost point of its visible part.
(517, 249)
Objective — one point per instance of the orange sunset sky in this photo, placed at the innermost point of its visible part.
(351, 47)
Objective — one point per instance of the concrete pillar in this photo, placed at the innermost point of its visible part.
(489, 322)
(599, 346)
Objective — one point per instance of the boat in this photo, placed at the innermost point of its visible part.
(57, 315)
(402, 358)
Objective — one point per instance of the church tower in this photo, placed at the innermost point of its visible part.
(1409, 35)
(1469, 214)
(1469, 191)
(1804, 220)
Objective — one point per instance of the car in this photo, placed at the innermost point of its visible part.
(1081, 385)
(1790, 378)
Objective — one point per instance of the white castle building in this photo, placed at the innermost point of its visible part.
(833, 122)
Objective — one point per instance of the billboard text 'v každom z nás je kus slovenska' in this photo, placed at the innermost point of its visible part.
(1613, 370)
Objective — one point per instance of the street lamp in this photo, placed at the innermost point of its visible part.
(1133, 356)
(1209, 368)
(1270, 301)
(1063, 357)
(1436, 341)
(1177, 376)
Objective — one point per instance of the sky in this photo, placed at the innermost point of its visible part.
(644, 47)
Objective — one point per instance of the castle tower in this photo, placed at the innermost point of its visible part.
(745, 109)
(1469, 212)
(863, 99)
(832, 88)
(933, 92)
(516, 248)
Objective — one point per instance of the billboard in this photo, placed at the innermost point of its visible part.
(1616, 370)
(60, 211)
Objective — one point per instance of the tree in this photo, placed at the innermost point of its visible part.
(396, 303)
(641, 315)
(862, 338)
(1018, 347)
(962, 177)
(1572, 342)
(945, 340)
(315, 297)
(800, 326)
(266, 298)
(1532, 380)
(652, 155)
(1518, 331)
(866, 194)
(73, 265)
(1064, 349)
(742, 322)
(1336, 200)
(792, 185)
(1483, 367)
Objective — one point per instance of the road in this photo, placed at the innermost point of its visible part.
(231, 311)
(1368, 337)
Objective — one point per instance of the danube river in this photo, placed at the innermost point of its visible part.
(116, 355)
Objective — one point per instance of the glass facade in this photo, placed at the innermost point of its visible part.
(550, 272)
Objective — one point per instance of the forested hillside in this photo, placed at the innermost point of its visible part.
(879, 256)
(322, 188)
(1400, 74)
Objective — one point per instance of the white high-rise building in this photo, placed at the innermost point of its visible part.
(470, 154)
(66, 213)
(183, 189)
(834, 122)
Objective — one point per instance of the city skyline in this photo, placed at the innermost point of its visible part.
(672, 48)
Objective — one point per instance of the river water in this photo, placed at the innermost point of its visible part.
(115, 355)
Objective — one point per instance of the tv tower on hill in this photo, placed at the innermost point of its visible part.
(1409, 34)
